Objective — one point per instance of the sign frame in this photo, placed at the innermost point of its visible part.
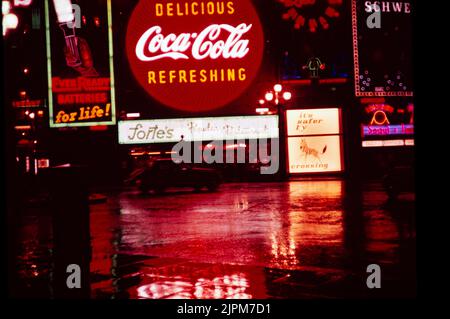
(340, 135)
(212, 61)
(113, 120)
(325, 110)
(358, 92)
(174, 138)
(308, 139)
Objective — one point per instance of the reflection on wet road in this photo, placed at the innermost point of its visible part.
(301, 239)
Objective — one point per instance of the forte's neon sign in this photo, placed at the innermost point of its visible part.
(194, 56)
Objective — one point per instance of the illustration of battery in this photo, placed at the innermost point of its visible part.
(66, 20)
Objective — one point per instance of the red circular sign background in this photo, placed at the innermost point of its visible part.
(181, 81)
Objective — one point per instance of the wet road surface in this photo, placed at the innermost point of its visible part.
(300, 239)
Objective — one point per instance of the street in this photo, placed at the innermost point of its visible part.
(299, 239)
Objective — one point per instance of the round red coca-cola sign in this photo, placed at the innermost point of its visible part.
(194, 55)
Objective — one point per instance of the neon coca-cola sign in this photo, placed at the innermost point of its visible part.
(202, 45)
(194, 56)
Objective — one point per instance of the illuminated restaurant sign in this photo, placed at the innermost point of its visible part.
(194, 56)
(80, 65)
(314, 140)
(198, 129)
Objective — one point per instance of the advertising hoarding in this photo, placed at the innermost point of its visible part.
(198, 129)
(382, 46)
(313, 122)
(80, 64)
(315, 154)
(208, 52)
(314, 140)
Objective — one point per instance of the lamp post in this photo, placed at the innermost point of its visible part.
(275, 97)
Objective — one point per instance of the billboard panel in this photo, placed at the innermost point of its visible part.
(314, 140)
(313, 122)
(80, 63)
(209, 52)
(315, 154)
(198, 129)
(382, 45)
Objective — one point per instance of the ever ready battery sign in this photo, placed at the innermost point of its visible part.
(80, 63)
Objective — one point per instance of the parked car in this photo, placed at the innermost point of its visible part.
(163, 173)
(399, 179)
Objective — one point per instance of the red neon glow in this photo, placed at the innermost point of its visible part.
(81, 90)
(28, 103)
(208, 52)
(23, 127)
(85, 84)
(299, 11)
(98, 128)
(379, 118)
(374, 100)
(379, 107)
